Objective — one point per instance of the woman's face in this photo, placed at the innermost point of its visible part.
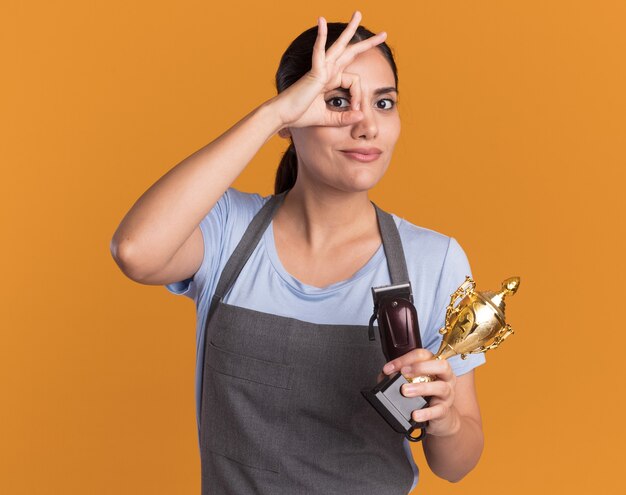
(323, 150)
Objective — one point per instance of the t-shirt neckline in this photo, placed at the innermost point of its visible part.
(295, 284)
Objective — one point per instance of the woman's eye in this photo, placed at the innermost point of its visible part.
(388, 106)
(335, 102)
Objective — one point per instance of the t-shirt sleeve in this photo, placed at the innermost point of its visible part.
(213, 227)
(455, 268)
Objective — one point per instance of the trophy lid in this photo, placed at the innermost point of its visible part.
(509, 286)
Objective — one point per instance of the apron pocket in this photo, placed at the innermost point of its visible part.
(244, 407)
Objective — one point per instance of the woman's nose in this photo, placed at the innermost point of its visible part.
(366, 127)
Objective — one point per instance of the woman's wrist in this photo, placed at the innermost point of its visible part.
(454, 453)
(446, 427)
(269, 114)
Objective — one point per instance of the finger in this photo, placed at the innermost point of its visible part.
(353, 83)
(429, 413)
(435, 367)
(419, 367)
(362, 46)
(407, 359)
(348, 117)
(439, 389)
(320, 43)
(344, 38)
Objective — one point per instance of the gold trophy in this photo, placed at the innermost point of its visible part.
(476, 324)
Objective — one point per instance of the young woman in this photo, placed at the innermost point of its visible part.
(282, 286)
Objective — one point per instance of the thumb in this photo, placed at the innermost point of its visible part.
(340, 119)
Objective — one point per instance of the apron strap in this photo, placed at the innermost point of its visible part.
(396, 261)
(244, 249)
(392, 246)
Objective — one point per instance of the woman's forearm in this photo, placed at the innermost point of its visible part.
(167, 213)
(452, 457)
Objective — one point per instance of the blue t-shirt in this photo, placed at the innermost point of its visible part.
(436, 265)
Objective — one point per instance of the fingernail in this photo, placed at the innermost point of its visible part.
(388, 368)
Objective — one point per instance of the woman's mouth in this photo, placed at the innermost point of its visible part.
(363, 154)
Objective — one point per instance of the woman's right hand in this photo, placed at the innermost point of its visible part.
(302, 104)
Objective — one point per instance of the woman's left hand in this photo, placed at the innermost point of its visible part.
(443, 417)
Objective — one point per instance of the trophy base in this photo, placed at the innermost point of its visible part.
(394, 407)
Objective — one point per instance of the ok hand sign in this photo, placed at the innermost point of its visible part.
(303, 104)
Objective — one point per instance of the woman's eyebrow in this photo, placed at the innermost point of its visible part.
(389, 89)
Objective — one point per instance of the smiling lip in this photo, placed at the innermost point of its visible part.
(363, 154)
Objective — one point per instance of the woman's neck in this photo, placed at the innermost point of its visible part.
(322, 216)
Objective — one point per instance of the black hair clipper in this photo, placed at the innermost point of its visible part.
(399, 332)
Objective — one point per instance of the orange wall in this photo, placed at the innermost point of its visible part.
(512, 142)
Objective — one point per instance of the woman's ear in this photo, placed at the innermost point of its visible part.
(284, 133)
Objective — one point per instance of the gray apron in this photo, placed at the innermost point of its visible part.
(281, 405)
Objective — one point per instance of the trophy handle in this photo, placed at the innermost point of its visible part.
(500, 337)
(465, 288)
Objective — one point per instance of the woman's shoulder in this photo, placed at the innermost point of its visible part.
(423, 245)
(234, 210)
(417, 235)
(244, 200)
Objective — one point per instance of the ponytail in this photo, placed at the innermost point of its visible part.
(287, 170)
